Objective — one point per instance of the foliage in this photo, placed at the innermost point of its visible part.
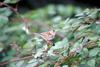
(77, 40)
(11, 1)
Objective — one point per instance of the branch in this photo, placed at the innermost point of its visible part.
(15, 59)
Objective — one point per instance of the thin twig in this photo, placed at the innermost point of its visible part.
(15, 59)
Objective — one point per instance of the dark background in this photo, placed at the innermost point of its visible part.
(40, 3)
(24, 5)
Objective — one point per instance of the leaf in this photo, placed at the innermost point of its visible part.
(93, 13)
(11, 52)
(71, 36)
(84, 65)
(69, 10)
(94, 52)
(13, 28)
(61, 44)
(61, 9)
(13, 64)
(20, 63)
(7, 58)
(11, 1)
(5, 11)
(3, 37)
(84, 53)
(92, 26)
(91, 63)
(51, 10)
(64, 65)
(77, 47)
(3, 20)
(98, 42)
(46, 64)
(32, 63)
(1, 46)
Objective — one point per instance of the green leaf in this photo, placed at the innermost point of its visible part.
(84, 53)
(65, 66)
(61, 9)
(91, 63)
(61, 44)
(98, 42)
(5, 11)
(84, 65)
(20, 63)
(94, 52)
(1, 46)
(51, 10)
(3, 20)
(13, 64)
(70, 10)
(77, 47)
(6, 58)
(59, 47)
(93, 13)
(11, 52)
(3, 37)
(92, 26)
(46, 64)
(11, 1)
(70, 36)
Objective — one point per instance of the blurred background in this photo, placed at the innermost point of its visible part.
(33, 4)
(18, 18)
(39, 3)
